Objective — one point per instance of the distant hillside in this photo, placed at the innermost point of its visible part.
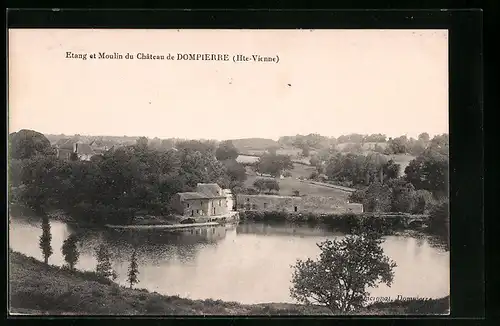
(247, 144)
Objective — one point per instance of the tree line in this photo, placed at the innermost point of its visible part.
(117, 184)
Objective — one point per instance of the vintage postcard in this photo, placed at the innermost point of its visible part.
(228, 172)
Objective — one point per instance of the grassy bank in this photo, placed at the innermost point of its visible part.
(36, 288)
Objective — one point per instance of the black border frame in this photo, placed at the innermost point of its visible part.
(465, 109)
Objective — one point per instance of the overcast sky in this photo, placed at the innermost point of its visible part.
(330, 82)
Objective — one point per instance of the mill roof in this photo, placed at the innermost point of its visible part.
(210, 190)
(203, 191)
(190, 195)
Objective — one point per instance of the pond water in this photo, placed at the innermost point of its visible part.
(247, 263)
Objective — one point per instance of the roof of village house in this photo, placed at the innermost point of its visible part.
(84, 149)
(203, 191)
(68, 144)
(81, 149)
(211, 190)
(62, 141)
(191, 195)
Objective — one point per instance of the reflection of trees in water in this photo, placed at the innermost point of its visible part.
(282, 229)
(423, 238)
(151, 246)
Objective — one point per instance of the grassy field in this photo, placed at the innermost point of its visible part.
(36, 288)
(288, 185)
(402, 159)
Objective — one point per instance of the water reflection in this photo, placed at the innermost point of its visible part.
(249, 263)
(285, 229)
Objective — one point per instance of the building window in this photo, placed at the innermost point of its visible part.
(188, 205)
(265, 205)
(295, 208)
(201, 203)
(197, 211)
(192, 212)
(219, 202)
(248, 199)
(254, 206)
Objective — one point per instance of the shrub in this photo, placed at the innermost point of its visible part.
(155, 304)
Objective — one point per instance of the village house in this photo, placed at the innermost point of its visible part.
(208, 200)
(295, 204)
(82, 150)
(99, 147)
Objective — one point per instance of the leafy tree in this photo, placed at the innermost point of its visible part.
(272, 185)
(403, 196)
(377, 198)
(167, 144)
(15, 170)
(155, 143)
(398, 145)
(26, 144)
(45, 240)
(344, 272)
(70, 251)
(358, 169)
(440, 144)
(274, 164)
(376, 138)
(416, 147)
(358, 196)
(305, 151)
(378, 149)
(142, 142)
(204, 147)
(391, 170)
(104, 267)
(423, 201)
(424, 137)
(429, 171)
(314, 161)
(226, 151)
(272, 150)
(235, 171)
(260, 184)
(39, 175)
(440, 219)
(355, 148)
(133, 270)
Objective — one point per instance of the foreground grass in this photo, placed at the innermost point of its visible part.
(36, 288)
